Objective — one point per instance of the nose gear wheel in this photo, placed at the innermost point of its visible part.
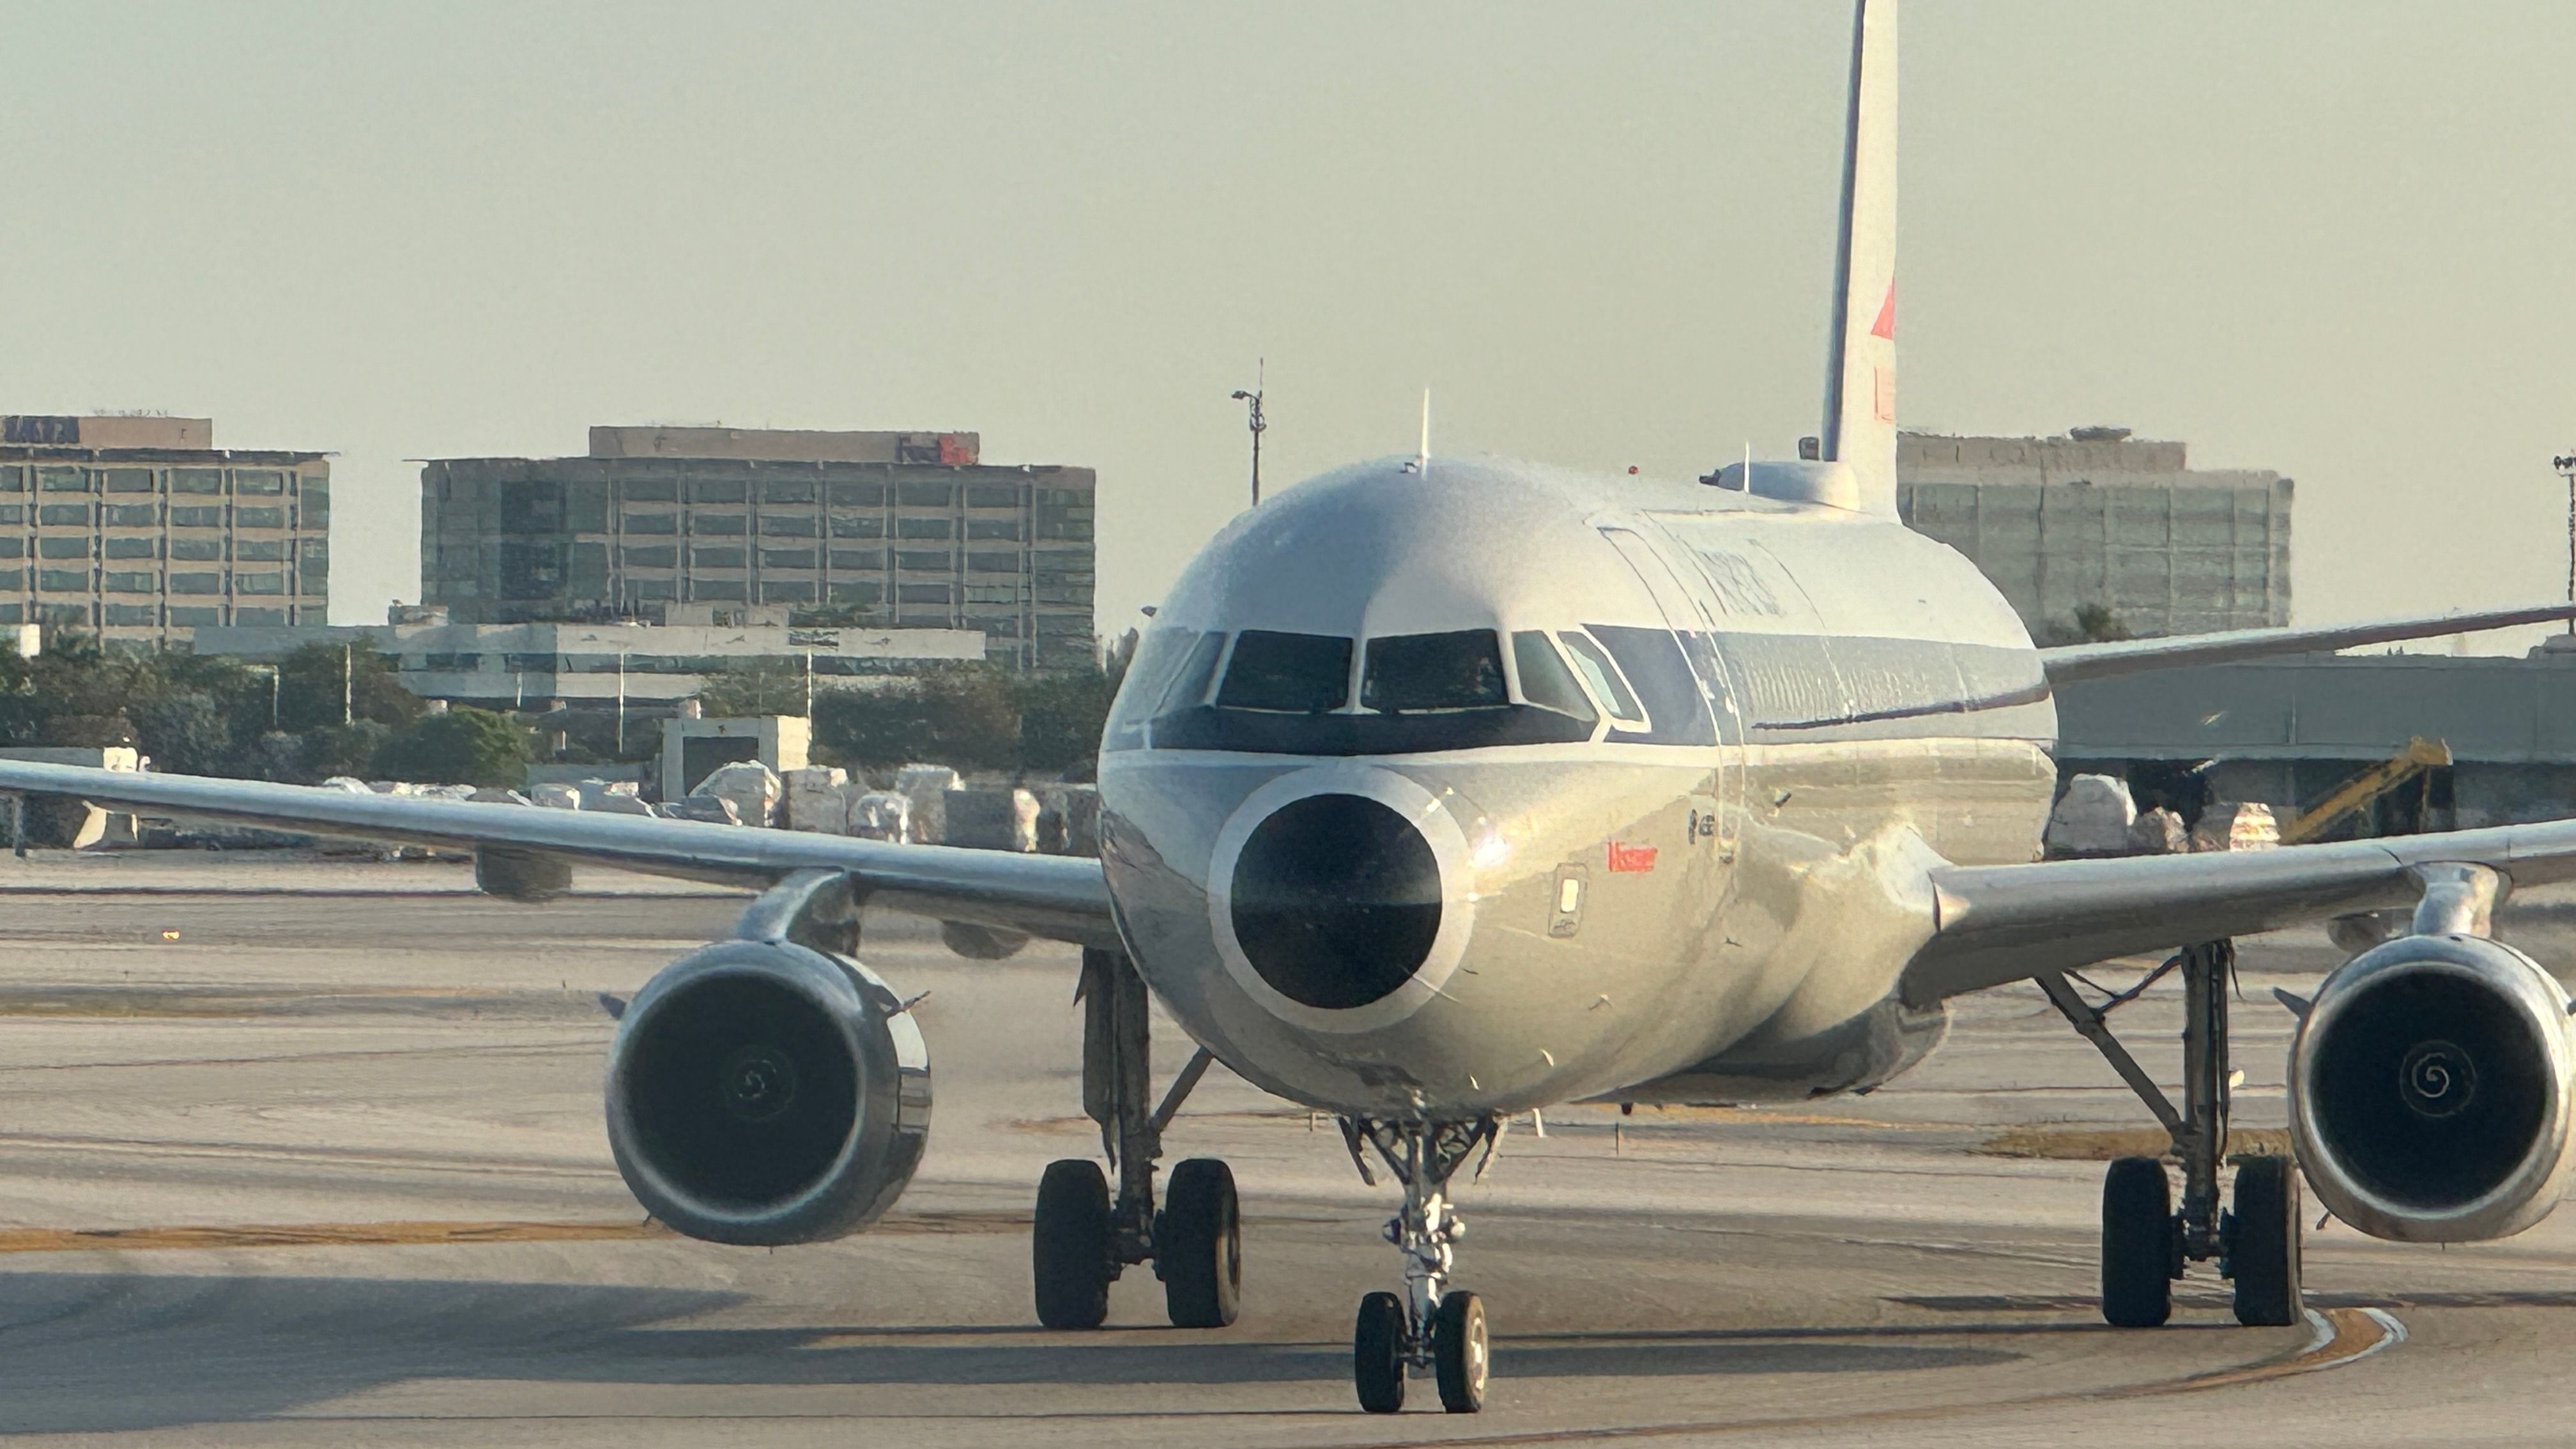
(1431, 1328)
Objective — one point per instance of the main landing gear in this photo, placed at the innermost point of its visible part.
(1084, 1238)
(2146, 1242)
(1431, 1328)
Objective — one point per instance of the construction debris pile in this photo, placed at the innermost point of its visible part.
(928, 805)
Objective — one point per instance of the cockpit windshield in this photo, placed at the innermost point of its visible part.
(1287, 673)
(1412, 673)
(1267, 691)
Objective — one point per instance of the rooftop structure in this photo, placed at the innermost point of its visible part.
(883, 531)
(138, 529)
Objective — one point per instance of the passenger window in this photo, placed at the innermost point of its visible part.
(1603, 676)
(1407, 673)
(1289, 673)
(1545, 681)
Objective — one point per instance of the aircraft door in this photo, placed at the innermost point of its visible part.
(1694, 621)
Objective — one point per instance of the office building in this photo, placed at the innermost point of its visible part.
(140, 530)
(873, 530)
(2100, 522)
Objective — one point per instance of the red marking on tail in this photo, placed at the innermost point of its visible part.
(1885, 326)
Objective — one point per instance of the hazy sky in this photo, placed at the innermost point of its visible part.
(2328, 238)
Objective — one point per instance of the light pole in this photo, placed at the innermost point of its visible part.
(348, 685)
(2566, 467)
(271, 671)
(1255, 422)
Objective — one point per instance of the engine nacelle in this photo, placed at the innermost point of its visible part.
(763, 1092)
(2430, 1090)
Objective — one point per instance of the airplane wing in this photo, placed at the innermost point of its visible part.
(1060, 897)
(2181, 651)
(2000, 923)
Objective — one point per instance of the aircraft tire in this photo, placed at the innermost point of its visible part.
(1069, 1252)
(1458, 1352)
(2137, 1244)
(1198, 1246)
(1377, 1353)
(2263, 1242)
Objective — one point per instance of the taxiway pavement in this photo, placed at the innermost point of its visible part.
(309, 1152)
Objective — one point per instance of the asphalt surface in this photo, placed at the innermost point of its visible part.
(299, 1152)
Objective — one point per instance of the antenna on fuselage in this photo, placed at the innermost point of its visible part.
(1422, 455)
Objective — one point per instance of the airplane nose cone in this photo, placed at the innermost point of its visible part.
(1336, 900)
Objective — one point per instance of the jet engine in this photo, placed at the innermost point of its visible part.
(2430, 1089)
(763, 1092)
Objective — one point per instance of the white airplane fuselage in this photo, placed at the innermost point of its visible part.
(1367, 847)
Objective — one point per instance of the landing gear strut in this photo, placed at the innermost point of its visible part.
(1084, 1237)
(2146, 1243)
(1432, 1328)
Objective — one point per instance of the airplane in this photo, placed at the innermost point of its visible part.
(1443, 790)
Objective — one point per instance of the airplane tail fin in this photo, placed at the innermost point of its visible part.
(1860, 371)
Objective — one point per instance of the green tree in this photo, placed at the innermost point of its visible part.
(2096, 624)
(310, 685)
(963, 715)
(323, 751)
(464, 746)
(769, 685)
(1061, 715)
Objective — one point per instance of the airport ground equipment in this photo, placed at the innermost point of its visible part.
(2358, 792)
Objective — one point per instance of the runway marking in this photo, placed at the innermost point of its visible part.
(396, 1234)
(2342, 1336)
(2339, 1336)
(300, 1235)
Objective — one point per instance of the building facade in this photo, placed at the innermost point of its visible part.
(544, 667)
(2098, 520)
(139, 530)
(887, 531)
(2284, 732)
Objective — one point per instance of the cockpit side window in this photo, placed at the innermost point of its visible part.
(1287, 673)
(1190, 685)
(1411, 673)
(1653, 661)
(1598, 671)
(1545, 681)
(1158, 659)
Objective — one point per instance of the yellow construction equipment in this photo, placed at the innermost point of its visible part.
(2356, 793)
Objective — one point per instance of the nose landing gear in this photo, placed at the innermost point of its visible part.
(1431, 1328)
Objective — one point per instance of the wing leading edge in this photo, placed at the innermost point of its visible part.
(2001, 923)
(2182, 651)
(1059, 897)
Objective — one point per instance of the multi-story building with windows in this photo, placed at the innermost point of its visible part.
(879, 530)
(138, 529)
(2098, 520)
